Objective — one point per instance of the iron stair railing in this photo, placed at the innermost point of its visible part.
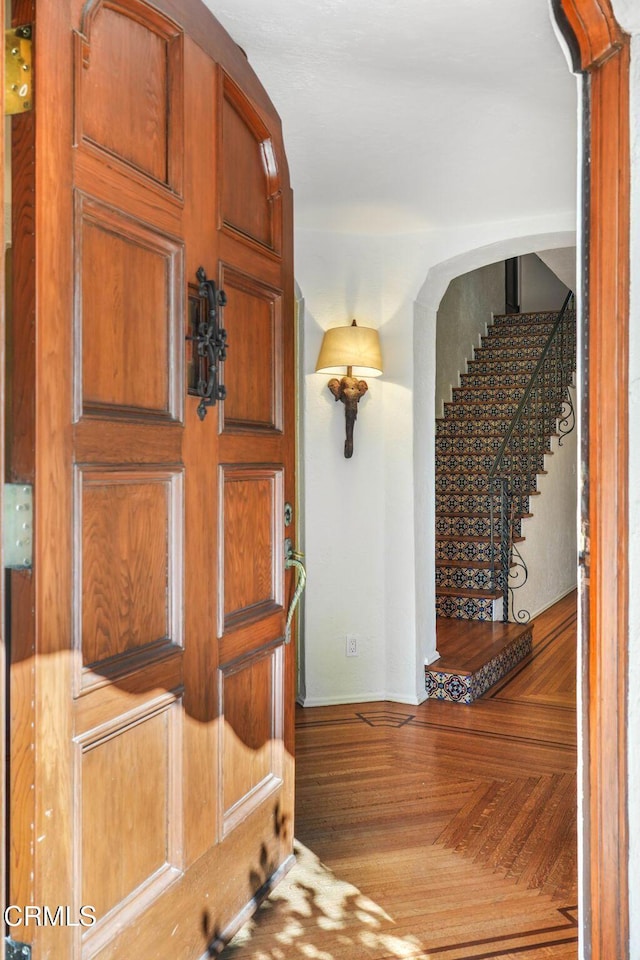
(546, 408)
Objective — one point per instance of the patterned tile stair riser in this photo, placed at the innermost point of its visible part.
(475, 503)
(471, 549)
(541, 317)
(465, 688)
(464, 578)
(465, 608)
(499, 410)
(482, 463)
(473, 526)
(466, 482)
(504, 377)
(484, 426)
(484, 444)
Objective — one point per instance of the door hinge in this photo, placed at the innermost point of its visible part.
(17, 526)
(18, 69)
(16, 951)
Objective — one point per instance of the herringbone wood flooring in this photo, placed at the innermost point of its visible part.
(439, 831)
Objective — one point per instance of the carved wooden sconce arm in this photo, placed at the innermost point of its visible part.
(349, 390)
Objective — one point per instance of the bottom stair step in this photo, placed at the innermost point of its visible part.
(474, 657)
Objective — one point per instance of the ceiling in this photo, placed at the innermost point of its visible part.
(410, 115)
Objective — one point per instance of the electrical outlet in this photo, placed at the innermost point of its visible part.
(352, 645)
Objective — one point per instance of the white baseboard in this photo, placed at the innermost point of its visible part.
(360, 698)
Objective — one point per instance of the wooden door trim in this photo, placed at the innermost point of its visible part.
(601, 52)
(3, 626)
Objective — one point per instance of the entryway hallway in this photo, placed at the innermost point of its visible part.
(438, 831)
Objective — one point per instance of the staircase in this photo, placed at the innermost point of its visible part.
(493, 437)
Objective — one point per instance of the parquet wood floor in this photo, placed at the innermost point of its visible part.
(441, 831)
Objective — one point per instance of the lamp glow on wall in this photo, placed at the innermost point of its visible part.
(357, 349)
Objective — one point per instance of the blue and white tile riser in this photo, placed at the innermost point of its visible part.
(465, 688)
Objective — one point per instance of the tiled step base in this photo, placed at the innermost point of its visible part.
(468, 608)
(474, 657)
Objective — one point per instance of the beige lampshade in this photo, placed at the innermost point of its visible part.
(356, 347)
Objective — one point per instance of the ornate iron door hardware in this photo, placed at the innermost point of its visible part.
(210, 340)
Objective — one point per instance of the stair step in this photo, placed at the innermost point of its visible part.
(479, 462)
(466, 576)
(472, 526)
(465, 482)
(531, 316)
(471, 661)
(491, 444)
(491, 348)
(476, 504)
(498, 367)
(469, 594)
(465, 548)
(541, 329)
(465, 608)
(452, 425)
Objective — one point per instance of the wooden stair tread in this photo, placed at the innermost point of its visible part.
(478, 473)
(466, 645)
(478, 514)
(465, 538)
(467, 564)
(468, 593)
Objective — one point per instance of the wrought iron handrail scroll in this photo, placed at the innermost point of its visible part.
(546, 408)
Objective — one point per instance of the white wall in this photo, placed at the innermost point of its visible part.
(628, 15)
(550, 547)
(463, 316)
(540, 289)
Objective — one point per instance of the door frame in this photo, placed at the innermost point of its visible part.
(600, 51)
(3, 626)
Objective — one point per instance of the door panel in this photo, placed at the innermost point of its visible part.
(128, 43)
(253, 318)
(163, 715)
(118, 256)
(254, 212)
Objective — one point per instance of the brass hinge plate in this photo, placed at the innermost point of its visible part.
(17, 951)
(18, 70)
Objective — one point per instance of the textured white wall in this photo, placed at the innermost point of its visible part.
(463, 316)
(540, 289)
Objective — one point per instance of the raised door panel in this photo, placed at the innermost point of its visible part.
(251, 751)
(137, 121)
(253, 368)
(251, 573)
(128, 564)
(129, 824)
(128, 316)
(253, 213)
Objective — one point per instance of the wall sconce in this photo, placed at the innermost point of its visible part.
(357, 349)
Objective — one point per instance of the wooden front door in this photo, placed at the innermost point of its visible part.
(151, 687)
